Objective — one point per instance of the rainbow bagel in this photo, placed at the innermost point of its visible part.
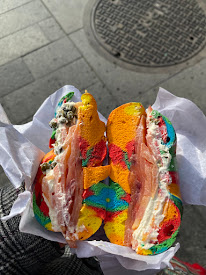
(141, 207)
(142, 150)
(70, 171)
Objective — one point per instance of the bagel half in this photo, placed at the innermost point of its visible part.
(69, 173)
(142, 156)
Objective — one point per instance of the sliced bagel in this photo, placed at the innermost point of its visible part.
(70, 169)
(143, 163)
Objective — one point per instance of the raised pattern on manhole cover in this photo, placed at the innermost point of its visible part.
(150, 33)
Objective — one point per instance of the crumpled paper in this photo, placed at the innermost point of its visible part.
(23, 146)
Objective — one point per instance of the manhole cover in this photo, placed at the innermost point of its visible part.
(149, 33)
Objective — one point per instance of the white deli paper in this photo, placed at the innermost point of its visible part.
(22, 147)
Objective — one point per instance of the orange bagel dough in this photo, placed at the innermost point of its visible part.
(91, 127)
(49, 156)
(175, 190)
(93, 175)
(121, 129)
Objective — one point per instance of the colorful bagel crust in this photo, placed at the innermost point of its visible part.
(126, 131)
(91, 150)
(134, 159)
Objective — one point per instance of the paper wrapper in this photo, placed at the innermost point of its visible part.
(23, 146)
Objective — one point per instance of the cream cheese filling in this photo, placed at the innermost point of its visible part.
(52, 215)
(61, 121)
(153, 216)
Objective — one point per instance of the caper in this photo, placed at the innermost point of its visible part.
(58, 150)
(73, 109)
(66, 109)
(45, 166)
(54, 163)
(53, 124)
(70, 115)
(62, 120)
(60, 113)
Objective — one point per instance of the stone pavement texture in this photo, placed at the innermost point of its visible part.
(43, 46)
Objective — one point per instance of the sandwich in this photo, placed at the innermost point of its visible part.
(141, 206)
(142, 159)
(69, 173)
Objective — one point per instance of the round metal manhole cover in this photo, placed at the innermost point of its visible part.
(149, 33)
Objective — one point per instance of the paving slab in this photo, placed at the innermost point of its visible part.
(21, 43)
(23, 103)
(190, 83)
(192, 235)
(69, 14)
(4, 181)
(3, 116)
(51, 29)
(22, 17)
(1, 170)
(13, 76)
(124, 84)
(7, 5)
(28, 119)
(106, 102)
(51, 57)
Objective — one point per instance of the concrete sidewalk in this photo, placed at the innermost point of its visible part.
(43, 46)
